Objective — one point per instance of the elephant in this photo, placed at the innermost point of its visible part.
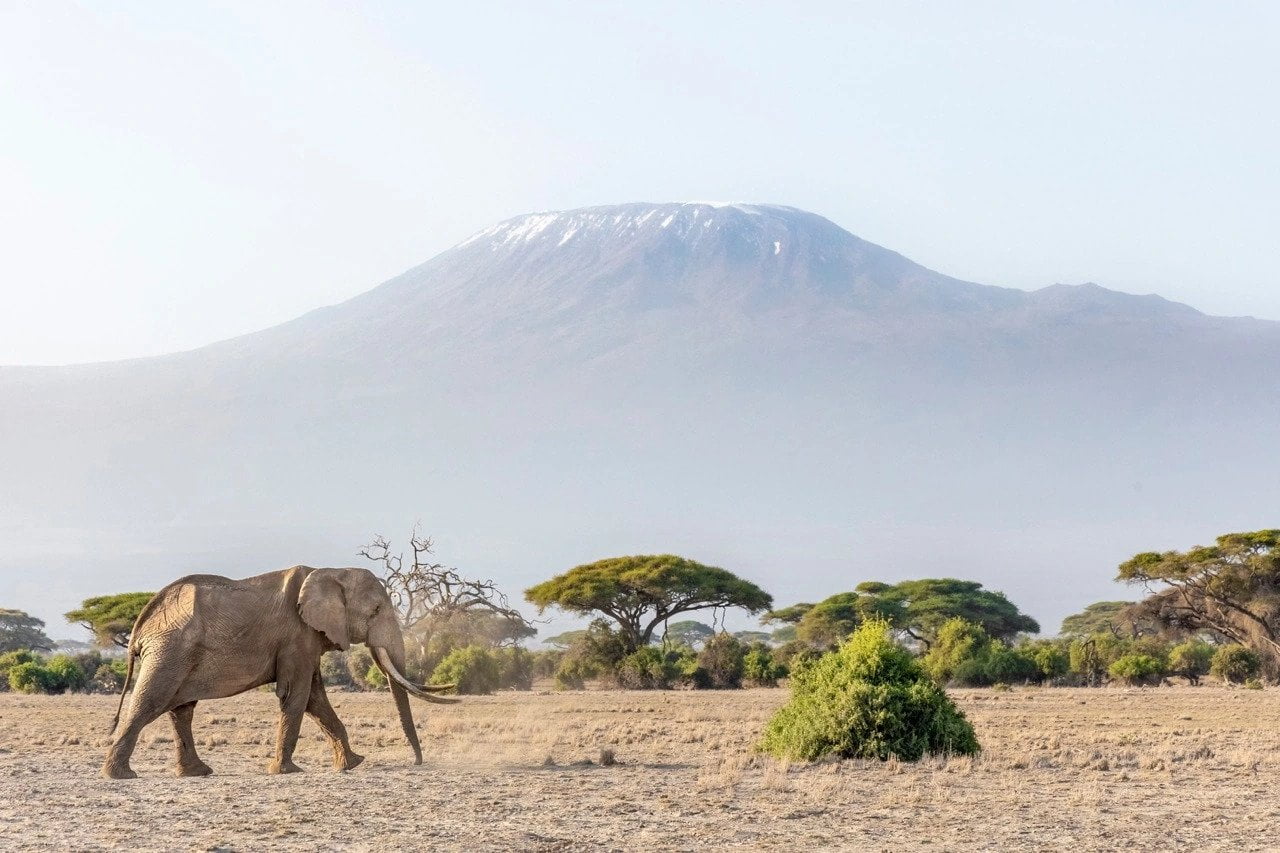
(208, 637)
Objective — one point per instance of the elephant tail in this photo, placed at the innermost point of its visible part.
(128, 674)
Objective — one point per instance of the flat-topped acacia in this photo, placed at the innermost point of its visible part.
(642, 592)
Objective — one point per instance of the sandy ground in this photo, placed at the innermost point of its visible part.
(1158, 769)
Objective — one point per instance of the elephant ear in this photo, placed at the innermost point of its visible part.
(322, 603)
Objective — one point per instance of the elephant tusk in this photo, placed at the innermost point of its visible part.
(384, 661)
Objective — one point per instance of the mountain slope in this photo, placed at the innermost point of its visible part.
(747, 383)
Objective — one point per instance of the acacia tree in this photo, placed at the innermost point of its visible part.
(640, 593)
(920, 608)
(688, 632)
(1231, 588)
(110, 617)
(828, 623)
(439, 609)
(20, 630)
(1109, 617)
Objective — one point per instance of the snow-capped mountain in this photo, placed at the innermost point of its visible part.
(749, 384)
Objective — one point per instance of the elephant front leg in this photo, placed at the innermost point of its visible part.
(319, 708)
(293, 702)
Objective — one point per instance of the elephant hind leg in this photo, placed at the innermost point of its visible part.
(322, 712)
(151, 698)
(189, 763)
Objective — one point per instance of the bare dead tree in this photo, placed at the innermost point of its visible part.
(431, 597)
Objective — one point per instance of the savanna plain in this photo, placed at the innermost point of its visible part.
(1156, 768)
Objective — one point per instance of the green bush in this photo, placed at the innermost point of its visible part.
(759, 668)
(868, 699)
(1010, 666)
(31, 677)
(1191, 660)
(722, 659)
(373, 678)
(1090, 657)
(546, 662)
(1235, 664)
(9, 660)
(1137, 669)
(515, 668)
(67, 673)
(958, 641)
(473, 668)
(1051, 658)
(647, 668)
(107, 678)
(334, 671)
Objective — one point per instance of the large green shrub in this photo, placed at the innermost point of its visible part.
(1137, 669)
(759, 668)
(473, 668)
(1091, 656)
(1051, 658)
(868, 699)
(108, 678)
(9, 660)
(515, 668)
(647, 668)
(1191, 659)
(722, 659)
(66, 673)
(1235, 664)
(962, 646)
(31, 677)
(1010, 666)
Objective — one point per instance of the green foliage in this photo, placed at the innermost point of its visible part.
(1051, 658)
(374, 679)
(30, 677)
(641, 592)
(108, 678)
(474, 669)
(1104, 617)
(922, 607)
(1191, 659)
(722, 659)
(1090, 657)
(515, 668)
(334, 671)
(1229, 588)
(868, 699)
(1005, 665)
(546, 662)
(1235, 664)
(111, 617)
(688, 632)
(67, 674)
(1137, 669)
(959, 647)
(759, 667)
(791, 653)
(20, 630)
(595, 653)
(751, 638)
(565, 640)
(647, 668)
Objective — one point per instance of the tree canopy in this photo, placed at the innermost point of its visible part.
(1102, 617)
(828, 623)
(111, 617)
(1231, 588)
(20, 630)
(641, 592)
(689, 632)
(924, 606)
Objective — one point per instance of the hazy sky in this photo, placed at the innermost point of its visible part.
(172, 176)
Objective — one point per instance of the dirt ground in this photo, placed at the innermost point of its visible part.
(1158, 769)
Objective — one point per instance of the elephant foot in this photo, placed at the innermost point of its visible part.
(199, 768)
(278, 767)
(351, 761)
(112, 771)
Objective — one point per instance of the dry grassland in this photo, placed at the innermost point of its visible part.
(1157, 769)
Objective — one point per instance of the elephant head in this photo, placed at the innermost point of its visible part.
(352, 606)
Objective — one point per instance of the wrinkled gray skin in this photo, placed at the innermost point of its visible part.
(207, 637)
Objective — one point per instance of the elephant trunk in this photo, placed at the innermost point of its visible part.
(391, 662)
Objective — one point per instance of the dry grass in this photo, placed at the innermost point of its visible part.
(1062, 769)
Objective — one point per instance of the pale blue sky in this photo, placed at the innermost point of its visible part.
(170, 176)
